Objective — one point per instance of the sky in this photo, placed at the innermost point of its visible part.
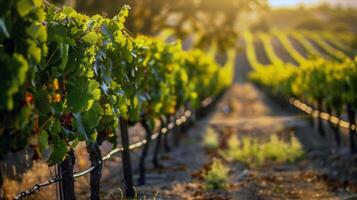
(287, 3)
(290, 3)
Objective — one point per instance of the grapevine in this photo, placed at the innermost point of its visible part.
(72, 76)
(329, 84)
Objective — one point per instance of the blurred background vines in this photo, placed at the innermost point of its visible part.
(213, 21)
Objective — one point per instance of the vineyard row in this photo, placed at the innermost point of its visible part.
(327, 83)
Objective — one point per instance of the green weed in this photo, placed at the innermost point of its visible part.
(211, 140)
(217, 177)
(254, 153)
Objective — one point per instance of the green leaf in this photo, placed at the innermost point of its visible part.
(77, 95)
(37, 32)
(24, 117)
(64, 48)
(91, 37)
(43, 141)
(92, 116)
(34, 52)
(94, 89)
(79, 126)
(86, 123)
(68, 11)
(59, 151)
(82, 94)
(41, 101)
(37, 3)
(24, 7)
(12, 76)
(55, 128)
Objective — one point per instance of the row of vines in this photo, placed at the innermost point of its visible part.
(67, 77)
(328, 84)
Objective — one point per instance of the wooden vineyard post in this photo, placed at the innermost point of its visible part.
(96, 174)
(144, 153)
(310, 118)
(128, 176)
(67, 183)
(335, 128)
(166, 142)
(166, 136)
(59, 184)
(176, 133)
(1, 181)
(155, 159)
(352, 130)
(319, 120)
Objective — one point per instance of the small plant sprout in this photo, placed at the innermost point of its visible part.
(211, 140)
(217, 176)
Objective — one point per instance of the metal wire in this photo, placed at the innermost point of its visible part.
(186, 115)
(323, 115)
(37, 187)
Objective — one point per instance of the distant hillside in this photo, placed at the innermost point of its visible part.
(311, 17)
(344, 3)
(292, 3)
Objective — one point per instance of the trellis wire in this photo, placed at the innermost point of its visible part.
(323, 115)
(186, 115)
